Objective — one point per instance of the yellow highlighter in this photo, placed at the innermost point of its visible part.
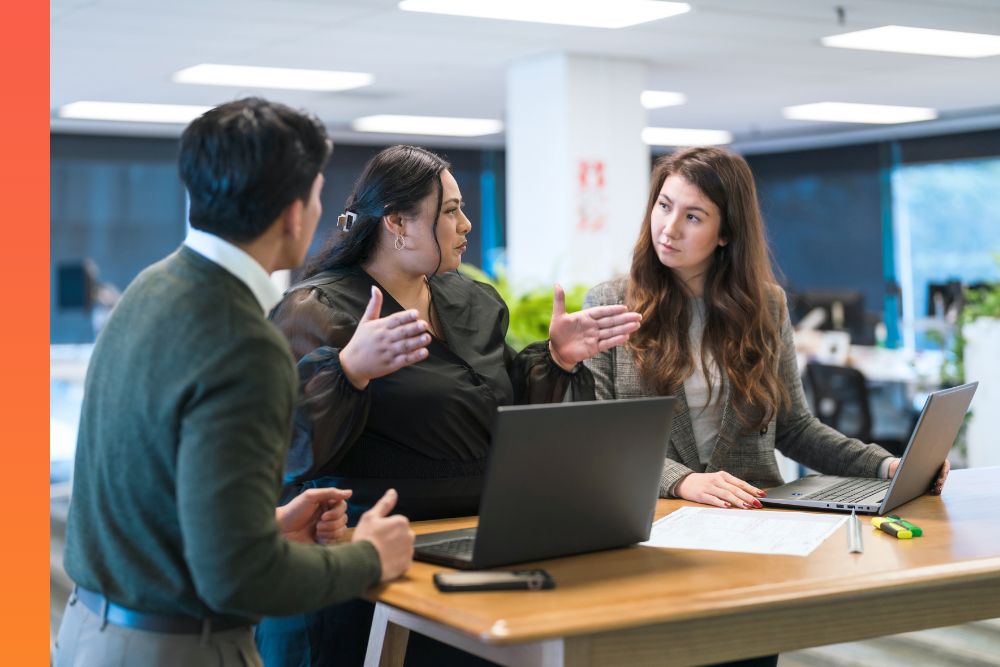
(890, 526)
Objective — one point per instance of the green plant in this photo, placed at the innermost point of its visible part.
(530, 312)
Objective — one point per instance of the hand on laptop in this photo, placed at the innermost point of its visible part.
(938, 484)
(720, 489)
(391, 536)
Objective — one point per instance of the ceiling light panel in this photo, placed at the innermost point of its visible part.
(922, 41)
(240, 76)
(432, 125)
(130, 112)
(844, 112)
(657, 99)
(676, 136)
(584, 13)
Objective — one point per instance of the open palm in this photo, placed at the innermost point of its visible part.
(577, 336)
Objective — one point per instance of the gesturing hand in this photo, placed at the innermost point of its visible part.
(391, 536)
(720, 489)
(383, 345)
(316, 515)
(574, 337)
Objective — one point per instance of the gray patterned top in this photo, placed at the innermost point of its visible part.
(749, 456)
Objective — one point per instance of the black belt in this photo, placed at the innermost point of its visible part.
(141, 620)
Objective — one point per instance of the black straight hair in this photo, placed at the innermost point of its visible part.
(244, 162)
(395, 180)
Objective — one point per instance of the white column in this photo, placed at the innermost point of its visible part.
(577, 169)
(982, 364)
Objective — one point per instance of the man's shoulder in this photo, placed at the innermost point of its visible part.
(192, 306)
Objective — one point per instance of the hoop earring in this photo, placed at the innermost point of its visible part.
(399, 243)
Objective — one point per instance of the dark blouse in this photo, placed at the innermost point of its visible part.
(424, 429)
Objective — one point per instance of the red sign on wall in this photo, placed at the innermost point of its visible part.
(591, 197)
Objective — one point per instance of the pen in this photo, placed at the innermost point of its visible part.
(854, 543)
(892, 527)
(916, 530)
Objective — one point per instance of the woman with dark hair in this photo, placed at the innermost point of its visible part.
(715, 332)
(402, 366)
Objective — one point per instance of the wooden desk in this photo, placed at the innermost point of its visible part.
(642, 605)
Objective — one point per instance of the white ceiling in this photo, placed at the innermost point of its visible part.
(738, 61)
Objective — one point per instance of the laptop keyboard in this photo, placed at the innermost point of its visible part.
(851, 490)
(458, 548)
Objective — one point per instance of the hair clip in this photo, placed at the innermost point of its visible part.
(346, 220)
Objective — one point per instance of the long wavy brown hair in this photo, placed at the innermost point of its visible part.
(741, 339)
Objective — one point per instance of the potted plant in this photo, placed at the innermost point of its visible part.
(530, 312)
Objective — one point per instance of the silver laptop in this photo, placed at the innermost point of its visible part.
(927, 450)
(563, 479)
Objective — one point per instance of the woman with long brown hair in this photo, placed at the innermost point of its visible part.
(715, 332)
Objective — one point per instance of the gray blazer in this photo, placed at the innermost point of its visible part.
(749, 456)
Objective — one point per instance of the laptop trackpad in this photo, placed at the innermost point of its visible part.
(802, 487)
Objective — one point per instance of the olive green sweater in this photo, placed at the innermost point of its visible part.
(186, 420)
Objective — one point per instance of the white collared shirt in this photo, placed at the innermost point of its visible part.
(238, 263)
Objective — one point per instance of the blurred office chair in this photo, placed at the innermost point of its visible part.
(840, 399)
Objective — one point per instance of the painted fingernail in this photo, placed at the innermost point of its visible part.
(727, 505)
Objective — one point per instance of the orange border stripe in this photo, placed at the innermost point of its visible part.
(24, 175)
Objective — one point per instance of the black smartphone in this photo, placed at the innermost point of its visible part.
(493, 580)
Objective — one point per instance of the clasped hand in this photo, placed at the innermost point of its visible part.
(574, 337)
(315, 516)
(320, 516)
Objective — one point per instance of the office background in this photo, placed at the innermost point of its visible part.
(884, 211)
(117, 200)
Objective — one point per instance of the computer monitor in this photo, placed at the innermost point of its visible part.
(943, 297)
(844, 310)
(75, 284)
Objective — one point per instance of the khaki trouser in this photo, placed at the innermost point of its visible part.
(83, 642)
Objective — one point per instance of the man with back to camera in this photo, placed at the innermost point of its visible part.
(173, 539)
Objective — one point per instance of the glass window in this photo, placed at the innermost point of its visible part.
(947, 230)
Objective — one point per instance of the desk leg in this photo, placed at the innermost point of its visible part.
(391, 628)
(387, 641)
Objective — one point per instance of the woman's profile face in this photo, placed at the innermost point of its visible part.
(685, 226)
(421, 251)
